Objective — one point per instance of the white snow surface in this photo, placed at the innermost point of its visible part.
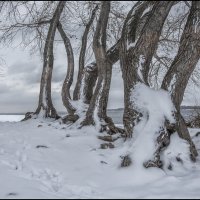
(156, 106)
(70, 164)
(11, 118)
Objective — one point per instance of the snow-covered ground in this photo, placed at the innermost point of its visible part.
(11, 118)
(43, 159)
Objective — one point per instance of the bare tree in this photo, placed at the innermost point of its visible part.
(76, 94)
(168, 43)
(99, 47)
(45, 102)
(136, 53)
(177, 77)
(66, 97)
(90, 73)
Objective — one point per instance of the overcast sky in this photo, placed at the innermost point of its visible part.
(19, 89)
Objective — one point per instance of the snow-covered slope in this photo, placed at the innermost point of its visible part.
(43, 159)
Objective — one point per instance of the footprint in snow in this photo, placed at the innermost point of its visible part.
(42, 146)
(51, 180)
(12, 194)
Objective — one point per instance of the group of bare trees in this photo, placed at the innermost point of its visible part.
(146, 27)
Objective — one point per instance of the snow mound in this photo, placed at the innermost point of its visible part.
(156, 103)
(156, 107)
(176, 157)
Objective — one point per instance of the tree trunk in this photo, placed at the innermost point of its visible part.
(112, 57)
(45, 101)
(182, 67)
(76, 94)
(103, 101)
(99, 47)
(136, 53)
(91, 73)
(70, 72)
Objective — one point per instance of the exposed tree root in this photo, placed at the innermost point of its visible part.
(70, 119)
(108, 138)
(107, 145)
(88, 121)
(163, 142)
(109, 127)
(28, 116)
(50, 113)
(126, 161)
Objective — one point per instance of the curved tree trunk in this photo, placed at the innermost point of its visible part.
(103, 101)
(136, 53)
(182, 67)
(90, 74)
(76, 94)
(45, 101)
(70, 71)
(91, 71)
(66, 97)
(99, 47)
(112, 57)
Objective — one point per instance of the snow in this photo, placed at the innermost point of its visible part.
(156, 107)
(131, 45)
(178, 148)
(172, 83)
(44, 159)
(149, 8)
(11, 118)
(140, 67)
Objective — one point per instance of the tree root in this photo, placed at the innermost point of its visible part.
(88, 121)
(107, 145)
(70, 119)
(126, 162)
(163, 141)
(108, 138)
(28, 116)
(109, 127)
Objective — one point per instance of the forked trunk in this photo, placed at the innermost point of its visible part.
(90, 74)
(136, 52)
(99, 47)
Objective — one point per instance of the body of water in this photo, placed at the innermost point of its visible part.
(116, 114)
(11, 118)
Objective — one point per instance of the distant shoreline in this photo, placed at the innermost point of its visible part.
(109, 110)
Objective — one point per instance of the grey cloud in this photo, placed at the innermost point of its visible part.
(19, 90)
(28, 73)
(59, 73)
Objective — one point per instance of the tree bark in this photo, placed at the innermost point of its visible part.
(45, 101)
(76, 94)
(177, 77)
(91, 73)
(103, 101)
(136, 53)
(70, 72)
(99, 47)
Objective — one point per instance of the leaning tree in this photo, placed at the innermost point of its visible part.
(135, 58)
